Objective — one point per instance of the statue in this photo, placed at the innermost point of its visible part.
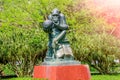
(59, 63)
(58, 45)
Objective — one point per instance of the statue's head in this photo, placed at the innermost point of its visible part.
(55, 15)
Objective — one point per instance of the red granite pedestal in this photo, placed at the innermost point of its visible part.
(62, 72)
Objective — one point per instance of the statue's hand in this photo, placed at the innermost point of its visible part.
(56, 24)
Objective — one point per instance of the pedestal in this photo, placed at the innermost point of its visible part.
(62, 72)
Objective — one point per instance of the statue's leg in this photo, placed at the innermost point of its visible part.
(49, 54)
(59, 52)
(68, 52)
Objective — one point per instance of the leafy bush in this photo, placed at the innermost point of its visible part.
(20, 47)
(91, 40)
(97, 50)
(23, 42)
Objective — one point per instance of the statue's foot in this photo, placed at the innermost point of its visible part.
(47, 58)
(68, 57)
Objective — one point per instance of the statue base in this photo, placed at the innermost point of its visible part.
(62, 72)
(60, 62)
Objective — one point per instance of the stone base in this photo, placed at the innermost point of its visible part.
(62, 72)
(57, 62)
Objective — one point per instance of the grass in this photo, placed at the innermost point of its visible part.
(106, 77)
(24, 78)
(94, 77)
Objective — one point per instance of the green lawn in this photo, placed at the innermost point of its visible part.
(94, 77)
(106, 77)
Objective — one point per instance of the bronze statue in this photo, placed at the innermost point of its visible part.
(58, 45)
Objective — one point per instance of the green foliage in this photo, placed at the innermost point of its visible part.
(90, 39)
(1, 70)
(28, 13)
(21, 47)
(97, 49)
(23, 43)
(7, 70)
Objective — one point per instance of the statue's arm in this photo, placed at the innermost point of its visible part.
(61, 35)
(62, 25)
(58, 38)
